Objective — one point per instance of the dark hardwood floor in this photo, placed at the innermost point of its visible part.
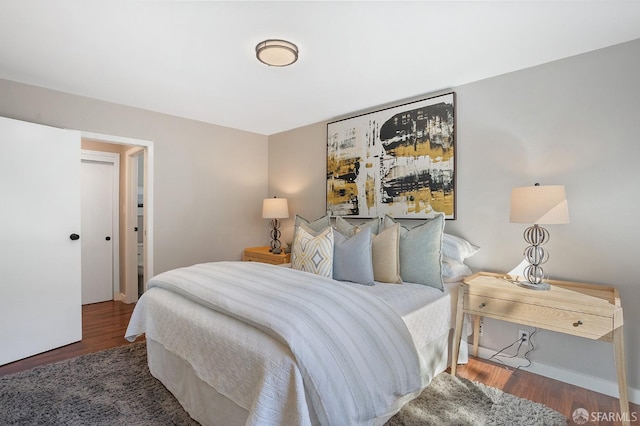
(560, 396)
(103, 327)
(104, 324)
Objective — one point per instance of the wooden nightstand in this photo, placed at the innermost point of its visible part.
(262, 254)
(585, 310)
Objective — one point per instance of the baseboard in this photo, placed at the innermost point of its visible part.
(595, 384)
(119, 297)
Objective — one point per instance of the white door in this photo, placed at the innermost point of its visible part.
(97, 231)
(40, 305)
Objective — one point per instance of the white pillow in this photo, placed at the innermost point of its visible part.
(457, 249)
(453, 271)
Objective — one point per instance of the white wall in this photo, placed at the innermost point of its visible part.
(574, 122)
(209, 180)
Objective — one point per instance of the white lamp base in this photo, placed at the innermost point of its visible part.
(531, 286)
(517, 274)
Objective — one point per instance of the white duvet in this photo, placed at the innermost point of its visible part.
(277, 386)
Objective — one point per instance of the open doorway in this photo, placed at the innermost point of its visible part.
(135, 210)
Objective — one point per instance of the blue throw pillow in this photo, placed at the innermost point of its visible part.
(352, 260)
(421, 252)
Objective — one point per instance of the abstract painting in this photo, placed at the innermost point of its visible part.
(398, 161)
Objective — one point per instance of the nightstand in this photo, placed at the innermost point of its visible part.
(262, 254)
(585, 310)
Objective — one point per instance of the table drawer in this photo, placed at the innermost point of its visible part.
(266, 258)
(564, 321)
(263, 260)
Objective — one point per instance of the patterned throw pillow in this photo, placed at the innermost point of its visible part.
(314, 225)
(313, 252)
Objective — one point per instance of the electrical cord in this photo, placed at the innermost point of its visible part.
(532, 347)
(499, 353)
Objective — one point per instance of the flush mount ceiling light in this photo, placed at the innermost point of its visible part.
(277, 53)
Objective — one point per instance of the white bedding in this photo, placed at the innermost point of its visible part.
(428, 313)
(267, 382)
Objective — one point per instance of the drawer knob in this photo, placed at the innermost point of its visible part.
(577, 323)
(482, 305)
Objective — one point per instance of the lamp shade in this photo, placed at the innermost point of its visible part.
(539, 205)
(275, 208)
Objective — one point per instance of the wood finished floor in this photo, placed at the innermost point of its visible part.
(104, 324)
(103, 327)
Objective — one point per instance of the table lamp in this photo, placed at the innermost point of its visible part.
(538, 205)
(274, 209)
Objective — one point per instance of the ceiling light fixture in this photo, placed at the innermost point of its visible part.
(277, 53)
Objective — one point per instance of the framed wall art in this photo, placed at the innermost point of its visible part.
(398, 161)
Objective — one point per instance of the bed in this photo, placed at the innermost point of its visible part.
(340, 337)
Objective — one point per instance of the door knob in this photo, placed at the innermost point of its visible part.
(74, 237)
(108, 238)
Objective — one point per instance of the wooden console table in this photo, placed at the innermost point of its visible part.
(585, 310)
(262, 254)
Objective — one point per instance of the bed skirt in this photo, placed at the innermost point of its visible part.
(209, 407)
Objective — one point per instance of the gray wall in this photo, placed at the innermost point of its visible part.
(209, 180)
(574, 122)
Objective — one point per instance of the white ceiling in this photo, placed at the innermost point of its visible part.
(197, 59)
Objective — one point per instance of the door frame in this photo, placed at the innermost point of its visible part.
(131, 287)
(132, 215)
(113, 159)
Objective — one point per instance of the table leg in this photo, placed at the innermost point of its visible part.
(618, 350)
(476, 334)
(457, 334)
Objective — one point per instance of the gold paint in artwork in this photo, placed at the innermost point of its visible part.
(422, 149)
(342, 167)
(370, 191)
(443, 202)
(340, 191)
(424, 201)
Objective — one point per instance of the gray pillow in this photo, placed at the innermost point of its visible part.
(352, 257)
(346, 228)
(316, 225)
(421, 252)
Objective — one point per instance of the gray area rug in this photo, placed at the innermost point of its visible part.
(114, 387)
